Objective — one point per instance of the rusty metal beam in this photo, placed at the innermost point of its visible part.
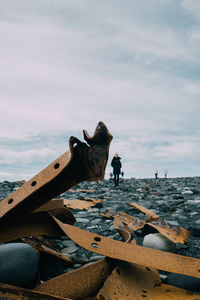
(80, 283)
(83, 161)
(133, 253)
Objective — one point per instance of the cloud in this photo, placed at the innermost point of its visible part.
(192, 6)
(67, 65)
(12, 157)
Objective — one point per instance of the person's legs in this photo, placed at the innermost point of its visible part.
(117, 179)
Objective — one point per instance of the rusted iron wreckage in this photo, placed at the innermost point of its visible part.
(128, 271)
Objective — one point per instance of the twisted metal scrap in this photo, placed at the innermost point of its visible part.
(79, 283)
(130, 281)
(81, 204)
(133, 253)
(176, 235)
(25, 211)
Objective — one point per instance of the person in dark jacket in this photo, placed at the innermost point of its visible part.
(116, 164)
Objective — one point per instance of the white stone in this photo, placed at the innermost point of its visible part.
(197, 201)
(172, 222)
(187, 192)
(82, 220)
(93, 210)
(158, 241)
(105, 189)
(194, 213)
(71, 247)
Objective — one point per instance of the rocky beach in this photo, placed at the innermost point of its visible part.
(175, 200)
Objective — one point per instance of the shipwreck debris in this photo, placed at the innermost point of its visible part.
(133, 253)
(81, 204)
(127, 271)
(84, 161)
(176, 235)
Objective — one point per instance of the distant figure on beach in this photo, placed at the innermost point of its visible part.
(156, 173)
(116, 164)
(122, 173)
(165, 172)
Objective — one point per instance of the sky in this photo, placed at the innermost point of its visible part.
(134, 65)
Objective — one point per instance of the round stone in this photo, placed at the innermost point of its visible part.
(18, 264)
(158, 241)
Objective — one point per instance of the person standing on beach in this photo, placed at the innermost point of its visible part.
(165, 172)
(116, 164)
(156, 173)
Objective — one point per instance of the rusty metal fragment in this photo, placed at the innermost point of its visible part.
(81, 204)
(50, 205)
(149, 213)
(133, 253)
(9, 292)
(130, 223)
(176, 235)
(84, 161)
(35, 224)
(80, 283)
(130, 281)
(81, 190)
(126, 225)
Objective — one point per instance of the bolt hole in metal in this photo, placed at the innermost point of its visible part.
(33, 183)
(97, 239)
(56, 166)
(10, 201)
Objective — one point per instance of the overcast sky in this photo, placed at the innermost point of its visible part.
(65, 65)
